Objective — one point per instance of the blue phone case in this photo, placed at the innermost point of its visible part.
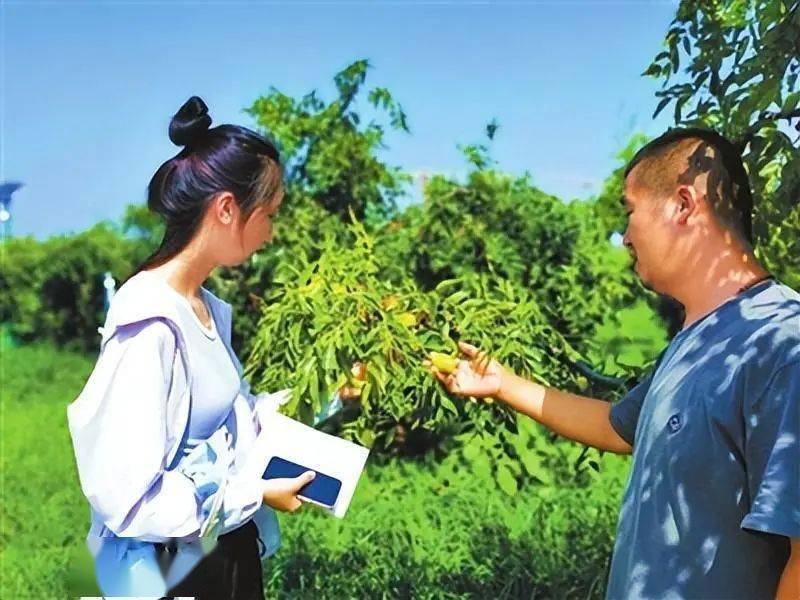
(323, 488)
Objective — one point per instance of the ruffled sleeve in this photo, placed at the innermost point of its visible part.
(119, 432)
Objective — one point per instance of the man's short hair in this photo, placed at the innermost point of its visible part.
(681, 154)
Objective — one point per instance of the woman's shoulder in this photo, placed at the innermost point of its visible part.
(138, 302)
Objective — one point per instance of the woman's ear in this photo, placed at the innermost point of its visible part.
(225, 208)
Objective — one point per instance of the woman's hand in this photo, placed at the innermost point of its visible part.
(478, 376)
(281, 494)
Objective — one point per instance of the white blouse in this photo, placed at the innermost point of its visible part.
(127, 427)
(215, 381)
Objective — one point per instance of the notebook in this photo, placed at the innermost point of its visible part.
(292, 441)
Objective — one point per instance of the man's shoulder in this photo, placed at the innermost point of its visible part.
(776, 302)
(770, 326)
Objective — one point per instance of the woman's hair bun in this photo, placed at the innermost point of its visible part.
(190, 122)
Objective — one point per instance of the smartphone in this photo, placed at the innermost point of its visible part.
(322, 490)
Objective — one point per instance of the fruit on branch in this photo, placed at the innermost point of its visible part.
(407, 319)
(443, 362)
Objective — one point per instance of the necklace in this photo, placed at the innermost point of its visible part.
(756, 282)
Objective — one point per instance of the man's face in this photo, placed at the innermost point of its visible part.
(651, 236)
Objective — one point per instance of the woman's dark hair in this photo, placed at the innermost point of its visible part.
(226, 158)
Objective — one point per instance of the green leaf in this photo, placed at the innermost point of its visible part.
(661, 105)
(448, 405)
(506, 480)
(791, 102)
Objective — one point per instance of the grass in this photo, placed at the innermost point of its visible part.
(43, 511)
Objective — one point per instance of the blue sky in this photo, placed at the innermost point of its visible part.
(88, 88)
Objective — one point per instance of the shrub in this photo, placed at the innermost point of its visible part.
(53, 290)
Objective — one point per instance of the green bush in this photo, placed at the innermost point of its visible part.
(421, 532)
(53, 290)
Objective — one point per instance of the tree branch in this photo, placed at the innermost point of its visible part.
(766, 117)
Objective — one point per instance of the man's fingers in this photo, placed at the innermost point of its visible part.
(452, 384)
(468, 349)
(449, 381)
(479, 360)
(463, 367)
(481, 363)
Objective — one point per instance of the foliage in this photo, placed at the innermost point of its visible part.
(334, 311)
(53, 290)
(742, 62)
(44, 515)
(141, 224)
(332, 168)
(296, 229)
(330, 155)
(455, 537)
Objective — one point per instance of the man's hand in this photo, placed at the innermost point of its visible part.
(477, 376)
(584, 420)
(281, 494)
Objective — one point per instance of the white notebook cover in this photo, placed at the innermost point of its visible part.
(289, 439)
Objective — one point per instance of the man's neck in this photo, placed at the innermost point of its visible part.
(729, 272)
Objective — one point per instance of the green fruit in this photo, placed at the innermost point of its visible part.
(407, 319)
(443, 362)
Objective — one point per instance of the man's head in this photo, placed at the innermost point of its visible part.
(686, 193)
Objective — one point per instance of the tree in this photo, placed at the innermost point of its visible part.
(141, 224)
(741, 65)
(332, 169)
(329, 154)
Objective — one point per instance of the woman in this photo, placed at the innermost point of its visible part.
(162, 428)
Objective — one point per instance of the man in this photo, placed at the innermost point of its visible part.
(712, 505)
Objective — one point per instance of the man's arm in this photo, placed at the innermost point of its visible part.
(582, 419)
(789, 586)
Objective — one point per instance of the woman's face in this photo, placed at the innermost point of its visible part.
(257, 229)
(242, 237)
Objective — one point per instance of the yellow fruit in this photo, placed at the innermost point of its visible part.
(443, 362)
(389, 302)
(407, 319)
(359, 371)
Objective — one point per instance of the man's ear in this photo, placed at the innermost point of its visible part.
(687, 203)
(225, 208)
